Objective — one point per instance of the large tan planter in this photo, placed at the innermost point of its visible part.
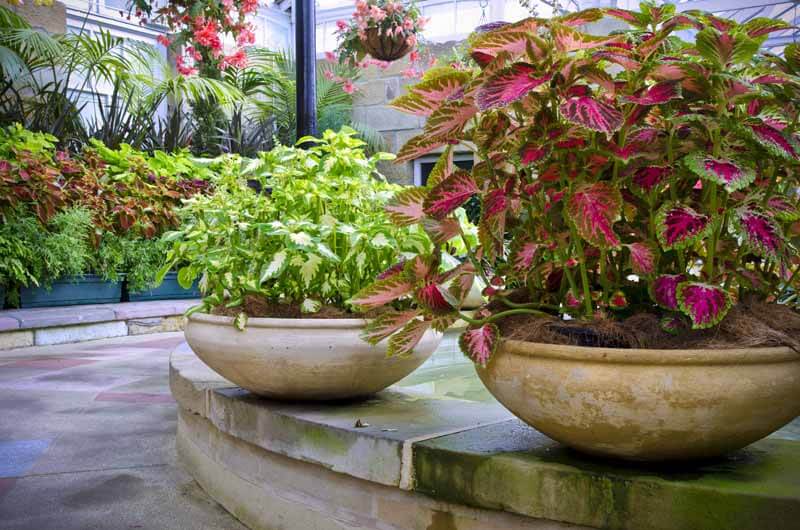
(647, 404)
(300, 359)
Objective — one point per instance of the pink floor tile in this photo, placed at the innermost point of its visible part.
(50, 364)
(5, 486)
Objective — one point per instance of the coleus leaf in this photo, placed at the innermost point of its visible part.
(643, 258)
(418, 146)
(382, 292)
(673, 324)
(592, 114)
(594, 208)
(442, 168)
(620, 57)
(725, 47)
(522, 256)
(509, 85)
(386, 324)
(664, 290)
(761, 233)
(618, 300)
(462, 281)
(414, 104)
(581, 17)
(432, 297)
(638, 20)
(514, 41)
(783, 209)
(705, 305)
(725, 172)
(657, 94)
(449, 119)
(772, 139)
(569, 40)
(649, 177)
(480, 344)
(404, 341)
(394, 270)
(760, 26)
(449, 194)
(531, 154)
(679, 226)
(442, 87)
(441, 231)
(405, 208)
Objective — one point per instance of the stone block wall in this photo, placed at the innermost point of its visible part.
(52, 19)
(376, 89)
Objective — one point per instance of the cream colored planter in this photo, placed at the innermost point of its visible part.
(301, 359)
(647, 404)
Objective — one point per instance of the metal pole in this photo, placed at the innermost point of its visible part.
(306, 53)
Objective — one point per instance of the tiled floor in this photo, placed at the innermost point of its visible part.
(87, 440)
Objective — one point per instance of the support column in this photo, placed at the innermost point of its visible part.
(306, 57)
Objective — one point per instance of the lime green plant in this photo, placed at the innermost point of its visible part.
(315, 236)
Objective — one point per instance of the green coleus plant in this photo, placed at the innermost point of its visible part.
(651, 170)
(314, 236)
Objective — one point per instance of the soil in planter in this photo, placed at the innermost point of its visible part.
(748, 324)
(257, 306)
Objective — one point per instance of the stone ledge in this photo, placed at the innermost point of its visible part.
(62, 325)
(471, 455)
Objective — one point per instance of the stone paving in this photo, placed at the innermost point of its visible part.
(87, 440)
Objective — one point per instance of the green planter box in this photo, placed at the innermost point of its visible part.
(72, 290)
(2, 296)
(168, 290)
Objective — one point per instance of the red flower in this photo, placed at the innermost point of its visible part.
(163, 40)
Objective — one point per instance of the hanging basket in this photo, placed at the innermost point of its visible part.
(384, 47)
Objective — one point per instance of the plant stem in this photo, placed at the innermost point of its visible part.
(587, 294)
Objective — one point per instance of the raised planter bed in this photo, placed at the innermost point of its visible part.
(169, 289)
(2, 296)
(72, 290)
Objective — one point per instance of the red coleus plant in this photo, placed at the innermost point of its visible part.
(616, 174)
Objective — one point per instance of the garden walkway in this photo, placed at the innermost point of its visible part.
(87, 440)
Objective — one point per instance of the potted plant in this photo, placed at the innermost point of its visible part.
(384, 29)
(638, 227)
(278, 270)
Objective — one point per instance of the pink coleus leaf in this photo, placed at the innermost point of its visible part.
(581, 17)
(773, 141)
(414, 104)
(492, 43)
(761, 233)
(644, 135)
(441, 231)
(657, 94)
(509, 85)
(760, 26)
(705, 305)
(569, 40)
(442, 87)
(386, 324)
(643, 258)
(770, 79)
(418, 146)
(495, 202)
(394, 270)
(479, 344)
(673, 324)
(382, 292)
(679, 226)
(664, 290)
(594, 208)
(571, 300)
(731, 175)
(432, 298)
(617, 300)
(419, 268)
(639, 20)
(449, 194)
(462, 281)
(619, 57)
(404, 341)
(592, 114)
(405, 208)
(531, 154)
(783, 209)
(449, 119)
(649, 177)
(522, 257)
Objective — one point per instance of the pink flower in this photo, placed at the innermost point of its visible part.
(348, 86)
(413, 56)
(330, 57)
(329, 75)
(421, 23)
(236, 60)
(408, 24)
(228, 4)
(205, 34)
(246, 37)
(342, 25)
(411, 40)
(409, 73)
(194, 54)
(182, 68)
(377, 14)
(163, 40)
(248, 6)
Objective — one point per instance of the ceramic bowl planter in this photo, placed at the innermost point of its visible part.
(300, 359)
(72, 290)
(384, 47)
(647, 405)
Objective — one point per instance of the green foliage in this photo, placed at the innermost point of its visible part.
(317, 237)
(138, 258)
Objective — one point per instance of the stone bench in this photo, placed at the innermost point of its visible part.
(60, 325)
(425, 462)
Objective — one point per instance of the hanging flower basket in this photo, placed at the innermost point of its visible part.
(385, 47)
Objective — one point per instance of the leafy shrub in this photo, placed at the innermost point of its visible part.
(626, 173)
(316, 238)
